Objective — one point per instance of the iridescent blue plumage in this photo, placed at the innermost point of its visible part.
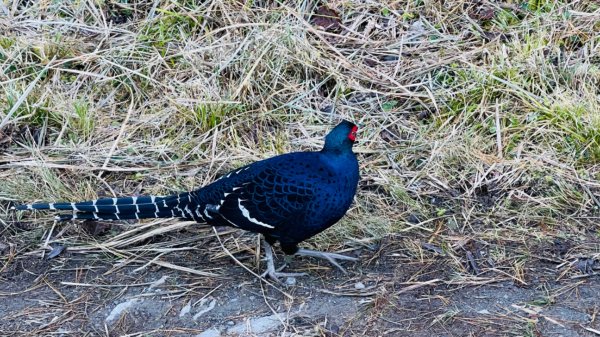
(287, 198)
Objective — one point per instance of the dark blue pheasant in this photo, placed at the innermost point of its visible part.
(287, 198)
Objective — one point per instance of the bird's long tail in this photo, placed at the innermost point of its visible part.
(180, 205)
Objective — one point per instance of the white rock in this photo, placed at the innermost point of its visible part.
(213, 332)
(206, 307)
(186, 309)
(120, 308)
(158, 282)
(257, 326)
(417, 29)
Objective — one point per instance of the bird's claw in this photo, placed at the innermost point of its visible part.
(331, 257)
(271, 269)
(276, 275)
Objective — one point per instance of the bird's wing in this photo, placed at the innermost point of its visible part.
(266, 201)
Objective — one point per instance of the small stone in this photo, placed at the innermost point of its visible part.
(413, 218)
(186, 309)
(213, 332)
(117, 311)
(159, 282)
(206, 307)
(359, 285)
(231, 323)
(257, 326)
(290, 281)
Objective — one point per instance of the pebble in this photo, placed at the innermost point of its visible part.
(186, 309)
(359, 285)
(290, 281)
(213, 332)
(257, 326)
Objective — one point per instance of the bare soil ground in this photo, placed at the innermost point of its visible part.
(389, 292)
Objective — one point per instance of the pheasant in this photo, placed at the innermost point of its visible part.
(287, 198)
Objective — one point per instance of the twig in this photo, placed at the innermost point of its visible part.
(418, 285)
(184, 269)
(349, 294)
(575, 277)
(597, 332)
(498, 131)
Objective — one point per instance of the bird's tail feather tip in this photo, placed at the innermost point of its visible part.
(22, 207)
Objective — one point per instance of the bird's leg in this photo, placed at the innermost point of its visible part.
(273, 273)
(331, 257)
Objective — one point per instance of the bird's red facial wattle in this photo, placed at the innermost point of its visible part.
(352, 134)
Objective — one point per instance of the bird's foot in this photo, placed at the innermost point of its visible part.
(331, 257)
(277, 275)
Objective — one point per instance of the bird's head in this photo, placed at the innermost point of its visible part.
(341, 138)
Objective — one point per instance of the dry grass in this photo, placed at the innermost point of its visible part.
(479, 139)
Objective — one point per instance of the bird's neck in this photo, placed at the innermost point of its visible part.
(337, 150)
(338, 154)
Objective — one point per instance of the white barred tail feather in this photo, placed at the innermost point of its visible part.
(115, 216)
(141, 207)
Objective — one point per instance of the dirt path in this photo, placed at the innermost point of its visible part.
(392, 295)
